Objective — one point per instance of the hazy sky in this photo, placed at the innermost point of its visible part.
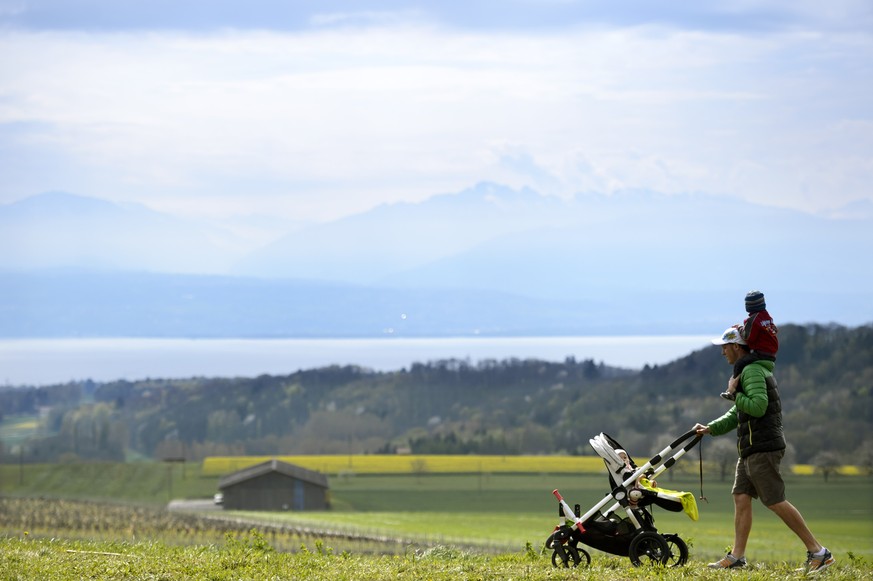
(311, 110)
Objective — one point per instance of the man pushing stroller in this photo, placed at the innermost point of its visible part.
(757, 417)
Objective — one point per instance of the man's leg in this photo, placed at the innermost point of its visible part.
(742, 523)
(792, 517)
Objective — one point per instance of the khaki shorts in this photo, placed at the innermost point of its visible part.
(758, 476)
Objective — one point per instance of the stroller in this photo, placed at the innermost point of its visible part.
(632, 492)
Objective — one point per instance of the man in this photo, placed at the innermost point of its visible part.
(757, 418)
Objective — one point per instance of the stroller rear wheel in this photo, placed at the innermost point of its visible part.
(648, 548)
(567, 554)
(678, 550)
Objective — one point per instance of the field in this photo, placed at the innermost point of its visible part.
(415, 464)
(508, 511)
(249, 557)
(17, 429)
(444, 464)
(415, 525)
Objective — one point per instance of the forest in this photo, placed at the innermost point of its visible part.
(514, 406)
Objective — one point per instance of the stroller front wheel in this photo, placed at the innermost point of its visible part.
(648, 548)
(678, 550)
(567, 554)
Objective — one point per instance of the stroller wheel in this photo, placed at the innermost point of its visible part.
(678, 551)
(567, 554)
(648, 548)
(575, 557)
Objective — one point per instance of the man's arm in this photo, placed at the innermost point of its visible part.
(753, 398)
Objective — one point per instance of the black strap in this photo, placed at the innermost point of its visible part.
(700, 453)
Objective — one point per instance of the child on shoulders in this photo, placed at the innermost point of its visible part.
(759, 333)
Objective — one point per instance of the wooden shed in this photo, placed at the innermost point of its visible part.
(274, 485)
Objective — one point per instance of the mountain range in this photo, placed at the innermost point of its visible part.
(486, 260)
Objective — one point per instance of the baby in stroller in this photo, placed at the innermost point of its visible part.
(634, 495)
(633, 490)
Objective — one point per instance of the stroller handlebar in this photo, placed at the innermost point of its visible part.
(668, 456)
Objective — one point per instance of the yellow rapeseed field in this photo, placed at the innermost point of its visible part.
(421, 464)
(415, 464)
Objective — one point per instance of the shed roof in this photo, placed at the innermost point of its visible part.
(273, 465)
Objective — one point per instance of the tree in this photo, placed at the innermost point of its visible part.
(863, 457)
(723, 453)
(826, 463)
(419, 468)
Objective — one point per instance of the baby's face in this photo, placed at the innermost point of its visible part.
(623, 456)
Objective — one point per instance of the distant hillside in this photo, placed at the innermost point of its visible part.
(491, 407)
(62, 230)
(375, 246)
(487, 260)
(491, 237)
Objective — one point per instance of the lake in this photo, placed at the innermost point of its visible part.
(47, 361)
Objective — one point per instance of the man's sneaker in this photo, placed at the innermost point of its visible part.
(729, 562)
(817, 563)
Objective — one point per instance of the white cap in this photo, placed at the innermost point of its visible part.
(730, 335)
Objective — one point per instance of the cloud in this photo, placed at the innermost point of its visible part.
(364, 18)
(334, 119)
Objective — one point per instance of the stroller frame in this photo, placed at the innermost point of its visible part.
(633, 536)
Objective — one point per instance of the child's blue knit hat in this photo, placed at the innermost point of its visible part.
(755, 301)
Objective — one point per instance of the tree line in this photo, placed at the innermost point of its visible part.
(512, 406)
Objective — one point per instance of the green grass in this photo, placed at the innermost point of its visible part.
(513, 510)
(498, 511)
(141, 482)
(251, 558)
